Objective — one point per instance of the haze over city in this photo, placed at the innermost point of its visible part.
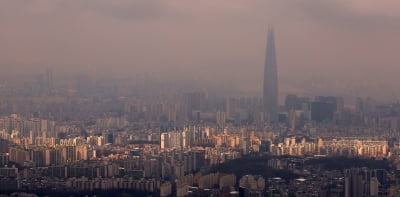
(340, 47)
(251, 98)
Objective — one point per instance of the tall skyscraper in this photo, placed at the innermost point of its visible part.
(270, 93)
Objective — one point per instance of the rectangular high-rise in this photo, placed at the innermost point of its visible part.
(270, 91)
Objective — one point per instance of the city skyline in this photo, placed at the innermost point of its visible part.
(353, 52)
(199, 98)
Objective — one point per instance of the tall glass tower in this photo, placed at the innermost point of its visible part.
(270, 92)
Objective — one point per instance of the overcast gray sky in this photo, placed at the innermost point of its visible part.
(208, 39)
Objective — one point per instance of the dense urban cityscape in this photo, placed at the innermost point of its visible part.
(91, 139)
(72, 141)
(90, 134)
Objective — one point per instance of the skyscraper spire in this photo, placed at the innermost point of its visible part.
(270, 92)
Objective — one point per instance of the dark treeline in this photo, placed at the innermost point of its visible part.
(253, 165)
(341, 163)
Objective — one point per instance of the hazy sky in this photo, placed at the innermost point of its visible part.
(208, 39)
